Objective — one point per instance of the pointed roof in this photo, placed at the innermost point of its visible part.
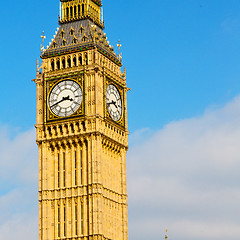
(79, 36)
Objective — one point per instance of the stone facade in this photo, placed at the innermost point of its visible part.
(82, 157)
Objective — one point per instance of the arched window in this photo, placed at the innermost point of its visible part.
(81, 29)
(62, 34)
(82, 9)
(80, 60)
(53, 65)
(58, 64)
(54, 44)
(64, 42)
(75, 11)
(69, 62)
(64, 63)
(67, 13)
(79, 10)
(71, 32)
(84, 39)
(74, 40)
(86, 59)
(71, 12)
(74, 61)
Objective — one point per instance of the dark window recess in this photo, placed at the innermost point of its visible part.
(71, 12)
(69, 62)
(80, 60)
(53, 65)
(71, 32)
(82, 9)
(58, 64)
(63, 63)
(74, 40)
(74, 62)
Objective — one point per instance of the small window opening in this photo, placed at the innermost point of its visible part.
(67, 12)
(53, 65)
(80, 60)
(54, 44)
(74, 62)
(64, 42)
(71, 32)
(64, 63)
(58, 64)
(84, 38)
(71, 12)
(81, 30)
(69, 62)
(82, 9)
(75, 11)
(75, 40)
(62, 34)
(86, 59)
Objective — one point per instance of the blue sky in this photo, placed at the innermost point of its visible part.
(181, 56)
(183, 66)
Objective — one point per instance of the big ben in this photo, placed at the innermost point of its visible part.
(82, 132)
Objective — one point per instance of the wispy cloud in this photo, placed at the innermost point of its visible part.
(18, 186)
(186, 177)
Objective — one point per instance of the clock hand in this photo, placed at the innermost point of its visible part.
(114, 103)
(63, 99)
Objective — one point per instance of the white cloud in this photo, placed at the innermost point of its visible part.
(18, 186)
(186, 177)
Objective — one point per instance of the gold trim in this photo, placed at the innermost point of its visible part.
(121, 92)
(50, 116)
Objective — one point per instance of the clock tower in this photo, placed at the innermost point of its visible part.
(81, 128)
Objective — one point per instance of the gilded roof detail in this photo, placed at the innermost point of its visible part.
(78, 36)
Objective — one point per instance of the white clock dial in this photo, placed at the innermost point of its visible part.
(114, 102)
(65, 98)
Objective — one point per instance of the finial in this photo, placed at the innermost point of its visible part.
(43, 37)
(166, 236)
(119, 45)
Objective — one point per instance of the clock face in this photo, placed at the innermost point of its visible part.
(65, 98)
(114, 102)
